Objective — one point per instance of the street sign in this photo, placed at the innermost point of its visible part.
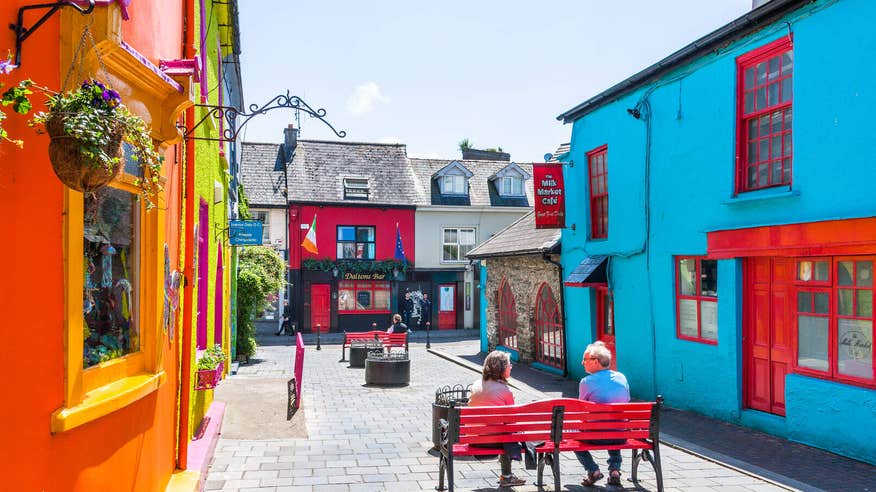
(245, 232)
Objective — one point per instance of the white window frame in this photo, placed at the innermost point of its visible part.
(264, 217)
(454, 184)
(508, 184)
(458, 244)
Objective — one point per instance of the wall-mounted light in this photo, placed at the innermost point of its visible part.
(395, 272)
(335, 272)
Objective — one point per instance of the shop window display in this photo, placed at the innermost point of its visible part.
(111, 268)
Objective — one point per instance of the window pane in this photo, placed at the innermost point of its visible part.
(749, 102)
(450, 252)
(786, 170)
(369, 251)
(764, 125)
(762, 172)
(764, 150)
(773, 94)
(822, 270)
(776, 147)
(804, 271)
(822, 303)
(787, 62)
(752, 128)
(466, 236)
(349, 250)
(360, 251)
(855, 347)
(787, 91)
(749, 77)
(450, 236)
(346, 233)
(381, 299)
(110, 296)
(787, 145)
(363, 299)
(761, 73)
(804, 302)
(709, 319)
(518, 187)
(864, 304)
(760, 94)
(844, 302)
(686, 276)
(752, 175)
(709, 278)
(844, 273)
(773, 69)
(346, 300)
(687, 317)
(365, 234)
(812, 342)
(776, 174)
(864, 273)
(776, 119)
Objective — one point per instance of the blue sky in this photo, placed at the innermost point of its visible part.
(428, 74)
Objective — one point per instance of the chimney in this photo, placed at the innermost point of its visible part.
(290, 141)
(485, 155)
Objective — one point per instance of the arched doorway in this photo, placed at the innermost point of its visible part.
(549, 348)
(507, 311)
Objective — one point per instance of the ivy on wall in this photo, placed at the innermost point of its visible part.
(354, 266)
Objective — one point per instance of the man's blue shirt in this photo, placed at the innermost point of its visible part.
(605, 386)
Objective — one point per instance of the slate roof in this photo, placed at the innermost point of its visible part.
(519, 238)
(317, 171)
(262, 174)
(562, 152)
(481, 191)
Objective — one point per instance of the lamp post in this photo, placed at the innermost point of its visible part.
(428, 329)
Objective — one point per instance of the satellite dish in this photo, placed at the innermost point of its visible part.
(548, 156)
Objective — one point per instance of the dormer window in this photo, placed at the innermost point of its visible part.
(511, 186)
(355, 188)
(454, 184)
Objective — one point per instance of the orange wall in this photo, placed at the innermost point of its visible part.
(132, 448)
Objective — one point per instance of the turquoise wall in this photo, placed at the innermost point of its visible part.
(689, 192)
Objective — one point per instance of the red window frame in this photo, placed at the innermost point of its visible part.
(507, 315)
(597, 166)
(372, 286)
(764, 108)
(831, 286)
(698, 297)
(548, 329)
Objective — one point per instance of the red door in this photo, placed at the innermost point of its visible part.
(605, 321)
(766, 335)
(548, 329)
(320, 307)
(447, 307)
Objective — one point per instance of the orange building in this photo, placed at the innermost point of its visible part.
(81, 410)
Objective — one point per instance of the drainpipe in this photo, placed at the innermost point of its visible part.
(188, 268)
(547, 257)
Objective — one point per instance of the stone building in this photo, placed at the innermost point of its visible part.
(522, 290)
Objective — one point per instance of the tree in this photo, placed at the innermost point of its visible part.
(260, 272)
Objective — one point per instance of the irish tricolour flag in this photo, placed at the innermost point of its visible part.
(309, 242)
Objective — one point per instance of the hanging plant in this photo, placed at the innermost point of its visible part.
(87, 127)
(16, 96)
(355, 266)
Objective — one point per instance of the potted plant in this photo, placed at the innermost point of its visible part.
(87, 127)
(211, 365)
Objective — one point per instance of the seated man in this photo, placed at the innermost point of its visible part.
(602, 386)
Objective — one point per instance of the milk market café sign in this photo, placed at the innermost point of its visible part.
(550, 205)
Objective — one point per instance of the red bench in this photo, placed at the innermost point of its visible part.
(637, 425)
(388, 340)
(467, 427)
(564, 424)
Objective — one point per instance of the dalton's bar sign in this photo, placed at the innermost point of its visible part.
(245, 232)
(550, 202)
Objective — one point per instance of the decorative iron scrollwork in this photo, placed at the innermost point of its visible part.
(231, 114)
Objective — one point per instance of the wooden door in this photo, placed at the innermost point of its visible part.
(549, 348)
(605, 321)
(203, 267)
(320, 307)
(766, 335)
(447, 307)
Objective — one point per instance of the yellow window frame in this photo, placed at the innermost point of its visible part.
(109, 386)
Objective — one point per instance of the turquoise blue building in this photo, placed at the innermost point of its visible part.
(730, 188)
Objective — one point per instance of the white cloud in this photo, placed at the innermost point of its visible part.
(365, 97)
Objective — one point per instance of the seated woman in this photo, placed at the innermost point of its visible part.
(492, 390)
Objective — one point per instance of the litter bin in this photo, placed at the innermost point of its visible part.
(359, 351)
(443, 396)
(387, 368)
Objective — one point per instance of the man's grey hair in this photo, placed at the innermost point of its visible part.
(600, 352)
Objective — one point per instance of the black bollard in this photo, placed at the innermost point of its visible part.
(428, 327)
(318, 329)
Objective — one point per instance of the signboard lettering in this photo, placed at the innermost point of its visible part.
(245, 232)
(550, 203)
(364, 276)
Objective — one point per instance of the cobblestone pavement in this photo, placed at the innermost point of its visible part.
(372, 438)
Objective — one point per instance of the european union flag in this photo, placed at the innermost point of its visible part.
(399, 249)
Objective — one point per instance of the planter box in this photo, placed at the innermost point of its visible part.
(208, 378)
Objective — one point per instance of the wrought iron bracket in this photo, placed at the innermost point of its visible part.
(22, 33)
(281, 101)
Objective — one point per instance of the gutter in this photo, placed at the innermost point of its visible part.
(736, 29)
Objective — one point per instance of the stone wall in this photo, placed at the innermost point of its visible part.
(525, 275)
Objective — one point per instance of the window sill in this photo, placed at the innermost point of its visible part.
(752, 197)
(106, 399)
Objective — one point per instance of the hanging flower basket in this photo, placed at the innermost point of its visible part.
(209, 378)
(84, 166)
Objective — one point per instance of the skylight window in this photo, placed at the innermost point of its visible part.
(355, 189)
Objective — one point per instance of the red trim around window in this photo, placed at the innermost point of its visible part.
(697, 297)
(373, 287)
(597, 165)
(764, 93)
(832, 288)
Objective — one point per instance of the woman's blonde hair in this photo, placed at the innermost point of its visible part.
(495, 365)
